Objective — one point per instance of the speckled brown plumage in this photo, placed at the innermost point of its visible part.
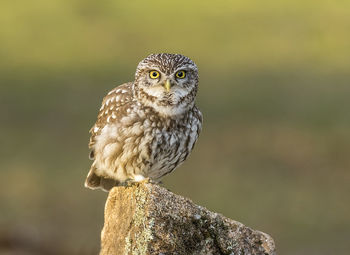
(145, 129)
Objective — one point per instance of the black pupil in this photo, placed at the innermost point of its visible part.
(181, 74)
(154, 74)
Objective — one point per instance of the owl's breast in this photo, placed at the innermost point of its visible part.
(170, 147)
(142, 143)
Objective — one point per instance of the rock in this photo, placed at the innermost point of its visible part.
(148, 219)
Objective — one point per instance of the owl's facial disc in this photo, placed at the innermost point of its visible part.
(167, 83)
(169, 94)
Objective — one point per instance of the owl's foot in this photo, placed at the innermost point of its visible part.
(138, 179)
(143, 180)
(146, 180)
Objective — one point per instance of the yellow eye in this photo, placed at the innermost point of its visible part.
(154, 74)
(180, 74)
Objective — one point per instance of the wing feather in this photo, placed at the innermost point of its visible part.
(112, 108)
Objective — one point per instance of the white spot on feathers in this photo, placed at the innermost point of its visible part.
(172, 139)
(139, 178)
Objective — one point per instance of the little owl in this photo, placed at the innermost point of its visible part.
(148, 127)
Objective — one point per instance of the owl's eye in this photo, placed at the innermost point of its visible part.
(154, 74)
(180, 74)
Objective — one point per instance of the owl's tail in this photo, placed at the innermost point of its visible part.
(94, 181)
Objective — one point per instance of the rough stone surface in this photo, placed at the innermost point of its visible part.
(148, 219)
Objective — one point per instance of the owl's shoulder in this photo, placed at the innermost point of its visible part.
(119, 95)
(115, 105)
(117, 99)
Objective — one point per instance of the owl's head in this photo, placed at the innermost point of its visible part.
(166, 82)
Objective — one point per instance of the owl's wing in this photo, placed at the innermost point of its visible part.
(113, 106)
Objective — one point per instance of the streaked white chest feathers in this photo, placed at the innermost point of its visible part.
(144, 144)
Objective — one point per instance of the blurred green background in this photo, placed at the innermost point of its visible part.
(274, 91)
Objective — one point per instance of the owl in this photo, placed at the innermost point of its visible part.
(148, 127)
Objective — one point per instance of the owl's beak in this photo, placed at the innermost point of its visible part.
(167, 85)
